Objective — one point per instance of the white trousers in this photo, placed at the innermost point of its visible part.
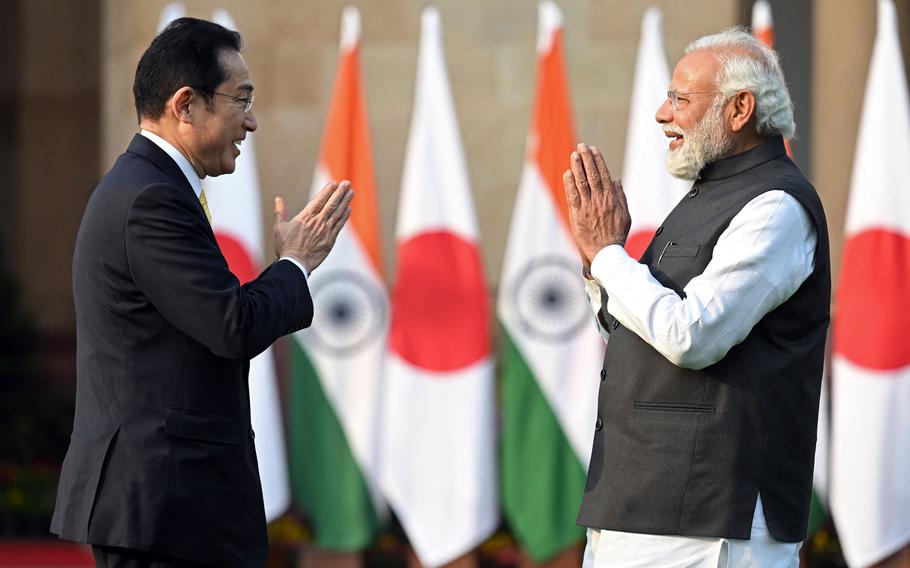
(614, 549)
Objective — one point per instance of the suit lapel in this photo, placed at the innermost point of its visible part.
(149, 150)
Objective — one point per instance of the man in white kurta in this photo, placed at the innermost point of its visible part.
(760, 260)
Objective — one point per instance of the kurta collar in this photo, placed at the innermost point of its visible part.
(734, 165)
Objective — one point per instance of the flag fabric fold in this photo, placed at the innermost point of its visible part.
(651, 191)
(551, 348)
(870, 454)
(437, 466)
(337, 362)
(234, 201)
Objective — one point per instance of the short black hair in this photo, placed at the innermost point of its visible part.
(185, 54)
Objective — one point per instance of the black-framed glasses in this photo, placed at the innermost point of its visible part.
(247, 102)
(675, 97)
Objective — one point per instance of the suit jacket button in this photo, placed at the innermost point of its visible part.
(252, 434)
(615, 323)
(603, 375)
(694, 192)
(599, 425)
(659, 230)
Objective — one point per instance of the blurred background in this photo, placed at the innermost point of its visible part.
(67, 112)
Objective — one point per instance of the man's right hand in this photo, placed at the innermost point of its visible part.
(311, 234)
(598, 212)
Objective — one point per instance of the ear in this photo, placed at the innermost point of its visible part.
(742, 109)
(182, 104)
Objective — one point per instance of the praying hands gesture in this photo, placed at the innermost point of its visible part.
(598, 212)
(310, 235)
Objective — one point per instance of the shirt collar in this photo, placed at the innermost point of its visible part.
(180, 159)
(733, 165)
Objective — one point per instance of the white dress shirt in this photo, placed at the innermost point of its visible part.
(759, 261)
(191, 176)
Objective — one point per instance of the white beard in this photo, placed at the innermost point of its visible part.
(706, 142)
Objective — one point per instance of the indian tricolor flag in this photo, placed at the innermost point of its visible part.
(337, 362)
(438, 435)
(651, 191)
(870, 454)
(235, 203)
(763, 29)
(551, 348)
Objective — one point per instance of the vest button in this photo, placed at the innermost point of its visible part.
(615, 323)
(599, 425)
(694, 192)
(659, 230)
(603, 375)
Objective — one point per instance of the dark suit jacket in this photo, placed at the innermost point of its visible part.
(162, 456)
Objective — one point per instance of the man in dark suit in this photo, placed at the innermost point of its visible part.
(161, 468)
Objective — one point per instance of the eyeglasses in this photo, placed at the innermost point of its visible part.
(676, 97)
(247, 102)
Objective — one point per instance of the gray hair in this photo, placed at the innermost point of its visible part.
(750, 65)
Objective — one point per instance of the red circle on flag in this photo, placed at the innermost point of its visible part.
(440, 319)
(637, 242)
(239, 260)
(872, 321)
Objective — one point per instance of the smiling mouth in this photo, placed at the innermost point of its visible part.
(238, 142)
(676, 139)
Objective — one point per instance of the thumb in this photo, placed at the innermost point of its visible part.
(280, 214)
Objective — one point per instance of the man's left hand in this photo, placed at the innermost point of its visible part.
(598, 212)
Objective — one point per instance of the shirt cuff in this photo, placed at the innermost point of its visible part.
(607, 260)
(586, 272)
(306, 273)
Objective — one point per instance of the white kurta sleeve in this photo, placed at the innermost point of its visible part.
(759, 261)
(592, 291)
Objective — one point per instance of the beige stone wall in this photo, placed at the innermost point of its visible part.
(291, 49)
(56, 146)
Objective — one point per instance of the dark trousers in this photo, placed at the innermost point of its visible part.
(113, 557)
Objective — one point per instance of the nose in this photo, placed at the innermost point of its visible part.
(664, 112)
(249, 122)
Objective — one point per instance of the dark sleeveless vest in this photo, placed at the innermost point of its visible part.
(684, 452)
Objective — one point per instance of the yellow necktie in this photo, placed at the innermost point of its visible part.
(205, 206)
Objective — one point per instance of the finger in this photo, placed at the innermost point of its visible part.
(336, 199)
(581, 179)
(621, 195)
(572, 197)
(342, 219)
(601, 164)
(280, 214)
(335, 214)
(590, 169)
(568, 182)
(318, 202)
(603, 175)
(606, 179)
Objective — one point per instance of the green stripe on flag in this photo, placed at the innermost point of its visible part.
(818, 514)
(542, 479)
(325, 478)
